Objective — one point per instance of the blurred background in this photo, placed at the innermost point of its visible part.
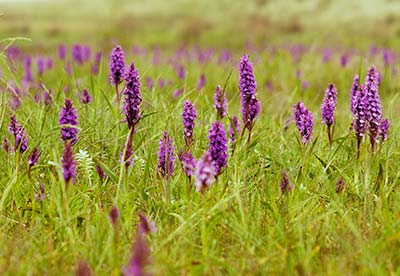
(217, 23)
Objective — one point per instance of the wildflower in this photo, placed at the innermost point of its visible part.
(217, 146)
(355, 88)
(37, 97)
(220, 104)
(68, 165)
(68, 116)
(339, 186)
(62, 51)
(188, 163)
(83, 269)
(117, 65)
(41, 66)
(328, 108)
(133, 98)
(224, 57)
(304, 120)
(12, 53)
(86, 98)
(49, 63)
(68, 68)
(161, 83)
(285, 183)
(86, 53)
(329, 105)
(100, 172)
(374, 50)
(385, 124)
(149, 83)
(205, 172)
(177, 92)
(180, 72)
(188, 119)
(145, 225)
(388, 57)
(360, 122)
(326, 55)
(6, 145)
(201, 83)
(140, 258)
(247, 86)
(373, 105)
(40, 194)
(166, 156)
(33, 157)
(20, 137)
(234, 129)
(15, 103)
(96, 63)
(156, 56)
(344, 59)
(48, 98)
(304, 85)
(28, 77)
(77, 53)
(113, 215)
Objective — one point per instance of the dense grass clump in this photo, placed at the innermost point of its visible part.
(277, 203)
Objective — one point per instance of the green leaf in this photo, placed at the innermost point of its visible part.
(107, 170)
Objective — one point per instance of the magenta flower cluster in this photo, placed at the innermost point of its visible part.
(133, 98)
(188, 163)
(188, 119)
(367, 110)
(220, 102)
(234, 129)
(205, 172)
(19, 133)
(166, 156)
(328, 105)
(247, 87)
(68, 120)
(117, 65)
(304, 121)
(217, 146)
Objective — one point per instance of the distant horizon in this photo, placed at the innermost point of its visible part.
(13, 1)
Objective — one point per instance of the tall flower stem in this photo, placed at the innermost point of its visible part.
(358, 147)
(117, 97)
(204, 236)
(116, 228)
(373, 143)
(328, 129)
(122, 167)
(249, 135)
(189, 189)
(167, 190)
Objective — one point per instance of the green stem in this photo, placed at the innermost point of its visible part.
(204, 239)
(167, 191)
(358, 148)
(329, 135)
(11, 183)
(122, 167)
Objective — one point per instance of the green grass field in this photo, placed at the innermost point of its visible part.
(243, 224)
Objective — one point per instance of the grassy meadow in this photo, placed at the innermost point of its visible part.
(243, 224)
